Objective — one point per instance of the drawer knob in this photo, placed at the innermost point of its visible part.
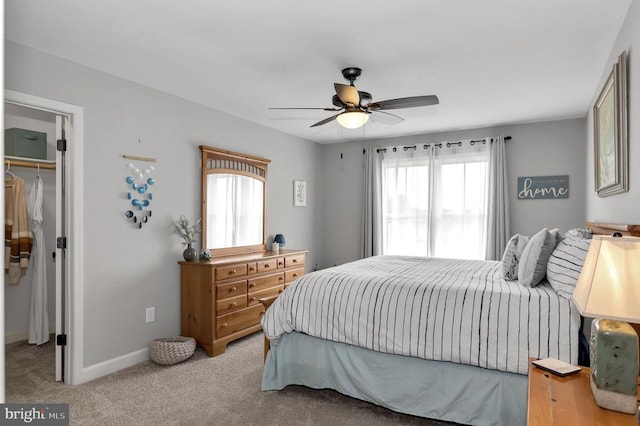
(280, 291)
(295, 260)
(232, 289)
(280, 279)
(252, 285)
(251, 268)
(280, 263)
(266, 265)
(295, 275)
(252, 299)
(233, 271)
(233, 305)
(224, 325)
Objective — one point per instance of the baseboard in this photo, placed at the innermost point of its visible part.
(18, 336)
(112, 365)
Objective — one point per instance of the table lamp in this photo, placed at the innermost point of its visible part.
(609, 291)
(279, 238)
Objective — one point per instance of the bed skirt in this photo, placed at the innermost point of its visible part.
(432, 389)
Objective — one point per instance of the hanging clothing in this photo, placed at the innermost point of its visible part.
(38, 316)
(18, 238)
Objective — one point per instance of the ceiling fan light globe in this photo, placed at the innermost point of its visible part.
(352, 119)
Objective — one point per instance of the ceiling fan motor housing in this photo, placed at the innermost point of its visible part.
(365, 99)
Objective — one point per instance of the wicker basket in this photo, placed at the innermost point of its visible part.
(172, 350)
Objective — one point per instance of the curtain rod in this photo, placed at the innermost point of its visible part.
(439, 144)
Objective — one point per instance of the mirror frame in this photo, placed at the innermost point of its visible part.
(216, 161)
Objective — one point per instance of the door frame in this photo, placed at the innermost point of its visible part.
(73, 224)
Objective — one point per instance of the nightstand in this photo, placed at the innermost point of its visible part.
(555, 400)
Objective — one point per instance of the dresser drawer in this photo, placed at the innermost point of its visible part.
(267, 265)
(254, 297)
(294, 260)
(233, 289)
(231, 304)
(239, 320)
(267, 281)
(252, 268)
(231, 271)
(292, 274)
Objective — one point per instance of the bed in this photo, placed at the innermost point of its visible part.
(437, 338)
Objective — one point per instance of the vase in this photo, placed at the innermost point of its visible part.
(190, 254)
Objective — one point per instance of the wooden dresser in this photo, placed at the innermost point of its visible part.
(219, 298)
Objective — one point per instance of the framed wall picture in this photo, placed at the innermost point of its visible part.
(610, 133)
(299, 193)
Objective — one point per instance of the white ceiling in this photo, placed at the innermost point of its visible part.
(491, 62)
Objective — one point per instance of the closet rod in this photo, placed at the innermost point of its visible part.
(32, 163)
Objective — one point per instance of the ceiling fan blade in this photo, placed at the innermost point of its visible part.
(325, 121)
(319, 109)
(348, 94)
(386, 118)
(410, 102)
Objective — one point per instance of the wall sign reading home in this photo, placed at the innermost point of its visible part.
(543, 187)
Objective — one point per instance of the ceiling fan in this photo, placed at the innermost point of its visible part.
(356, 106)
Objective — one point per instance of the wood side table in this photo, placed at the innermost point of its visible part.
(555, 400)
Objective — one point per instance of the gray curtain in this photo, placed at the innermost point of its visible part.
(498, 201)
(371, 206)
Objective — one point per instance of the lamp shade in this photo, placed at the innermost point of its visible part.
(609, 284)
(279, 238)
(352, 119)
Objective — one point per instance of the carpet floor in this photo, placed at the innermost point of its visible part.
(224, 390)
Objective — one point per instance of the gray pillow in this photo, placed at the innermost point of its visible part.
(565, 264)
(533, 264)
(511, 256)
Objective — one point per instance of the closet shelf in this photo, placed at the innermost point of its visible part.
(33, 163)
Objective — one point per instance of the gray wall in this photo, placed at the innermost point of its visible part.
(17, 300)
(126, 269)
(539, 149)
(625, 207)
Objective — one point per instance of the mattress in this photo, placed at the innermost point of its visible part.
(458, 311)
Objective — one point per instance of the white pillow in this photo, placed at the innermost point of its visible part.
(578, 233)
(533, 263)
(512, 255)
(565, 264)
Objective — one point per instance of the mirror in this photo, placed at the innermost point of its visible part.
(233, 202)
(234, 215)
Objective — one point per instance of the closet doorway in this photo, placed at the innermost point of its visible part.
(63, 125)
(31, 311)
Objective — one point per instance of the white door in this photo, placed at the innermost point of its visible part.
(62, 123)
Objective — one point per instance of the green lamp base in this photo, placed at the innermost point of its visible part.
(614, 365)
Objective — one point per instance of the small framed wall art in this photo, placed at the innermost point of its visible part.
(299, 193)
(610, 133)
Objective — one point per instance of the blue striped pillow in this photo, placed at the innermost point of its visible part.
(565, 264)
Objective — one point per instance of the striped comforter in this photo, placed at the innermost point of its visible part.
(460, 311)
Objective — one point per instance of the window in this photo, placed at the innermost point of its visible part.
(434, 201)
